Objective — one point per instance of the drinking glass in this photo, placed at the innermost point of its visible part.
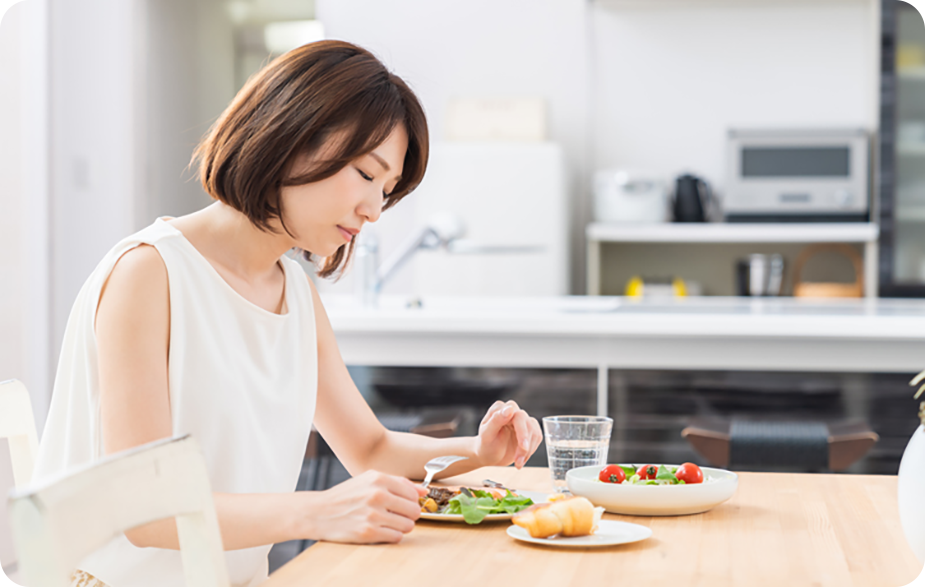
(575, 441)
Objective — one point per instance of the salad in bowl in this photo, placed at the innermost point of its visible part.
(653, 490)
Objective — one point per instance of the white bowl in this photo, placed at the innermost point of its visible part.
(653, 500)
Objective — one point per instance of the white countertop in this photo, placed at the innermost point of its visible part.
(603, 333)
(867, 319)
(724, 232)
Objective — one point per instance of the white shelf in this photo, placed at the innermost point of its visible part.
(857, 232)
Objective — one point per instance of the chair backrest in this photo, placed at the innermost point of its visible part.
(17, 424)
(58, 524)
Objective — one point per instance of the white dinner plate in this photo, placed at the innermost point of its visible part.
(536, 496)
(653, 500)
(608, 533)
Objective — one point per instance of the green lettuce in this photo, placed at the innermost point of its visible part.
(475, 504)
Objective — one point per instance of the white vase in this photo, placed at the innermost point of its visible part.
(912, 492)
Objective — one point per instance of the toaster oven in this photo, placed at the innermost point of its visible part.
(810, 175)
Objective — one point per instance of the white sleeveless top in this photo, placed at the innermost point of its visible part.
(242, 381)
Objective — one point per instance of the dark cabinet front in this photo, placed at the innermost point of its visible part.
(901, 152)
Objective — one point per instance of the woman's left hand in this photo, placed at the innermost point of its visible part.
(507, 435)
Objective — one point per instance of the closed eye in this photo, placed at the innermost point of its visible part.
(368, 178)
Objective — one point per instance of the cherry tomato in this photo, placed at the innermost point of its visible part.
(689, 473)
(647, 472)
(612, 474)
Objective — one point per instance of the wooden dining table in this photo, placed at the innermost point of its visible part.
(778, 529)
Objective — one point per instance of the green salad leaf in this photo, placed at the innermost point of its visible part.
(512, 503)
(666, 474)
(475, 504)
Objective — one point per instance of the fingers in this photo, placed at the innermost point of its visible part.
(495, 407)
(529, 437)
(522, 436)
(521, 423)
(526, 433)
(377, 533)
(409, 511)
(395, 494)
(498, 420)
(400, 487)
(537, 435)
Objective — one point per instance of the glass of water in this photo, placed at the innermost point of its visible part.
(575, 441)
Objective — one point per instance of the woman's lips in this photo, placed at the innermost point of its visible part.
(345, 233)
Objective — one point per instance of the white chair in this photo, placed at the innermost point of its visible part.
(58, 524)
(17, 424)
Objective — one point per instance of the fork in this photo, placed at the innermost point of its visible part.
(434, 466)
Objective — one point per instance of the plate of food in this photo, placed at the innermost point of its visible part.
(653, 490)
(474, 505)
(573, 522)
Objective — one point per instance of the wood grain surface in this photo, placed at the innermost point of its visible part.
(778, 529)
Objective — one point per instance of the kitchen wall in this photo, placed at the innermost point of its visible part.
(24, 332)
(94, 129)
(671, 78)
(480, 48)
(188, 80)
(12, 359)
(135, 84)
(11, 192)
(649, 85)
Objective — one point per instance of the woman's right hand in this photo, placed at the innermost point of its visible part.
(369, 508)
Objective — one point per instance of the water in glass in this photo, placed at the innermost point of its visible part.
(569, 454)
(575, 441)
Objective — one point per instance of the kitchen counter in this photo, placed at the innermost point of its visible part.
(785, 334)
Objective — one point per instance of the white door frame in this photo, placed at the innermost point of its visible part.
(34, 137)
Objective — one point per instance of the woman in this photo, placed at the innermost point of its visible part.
(202, 325)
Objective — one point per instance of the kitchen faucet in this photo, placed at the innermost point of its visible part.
(440, 231)
(443, 230)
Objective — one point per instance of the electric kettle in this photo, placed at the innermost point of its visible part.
(691, 199)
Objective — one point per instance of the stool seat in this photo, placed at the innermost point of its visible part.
(713, 438)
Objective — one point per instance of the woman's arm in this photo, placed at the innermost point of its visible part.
(370, 508)
(133, 333)
(506, 435)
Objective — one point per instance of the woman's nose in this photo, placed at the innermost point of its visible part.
(372, 208)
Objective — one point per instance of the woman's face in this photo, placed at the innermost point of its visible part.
(325, 215)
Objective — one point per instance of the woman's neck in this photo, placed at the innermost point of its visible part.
(227, 238)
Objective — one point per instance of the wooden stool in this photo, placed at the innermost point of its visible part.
(847, 442)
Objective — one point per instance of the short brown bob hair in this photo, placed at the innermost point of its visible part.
(293, 106)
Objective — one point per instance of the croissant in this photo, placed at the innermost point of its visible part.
(575, 516)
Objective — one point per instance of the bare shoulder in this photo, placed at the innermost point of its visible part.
(141, 262)
(139, 267)
(138, 280)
